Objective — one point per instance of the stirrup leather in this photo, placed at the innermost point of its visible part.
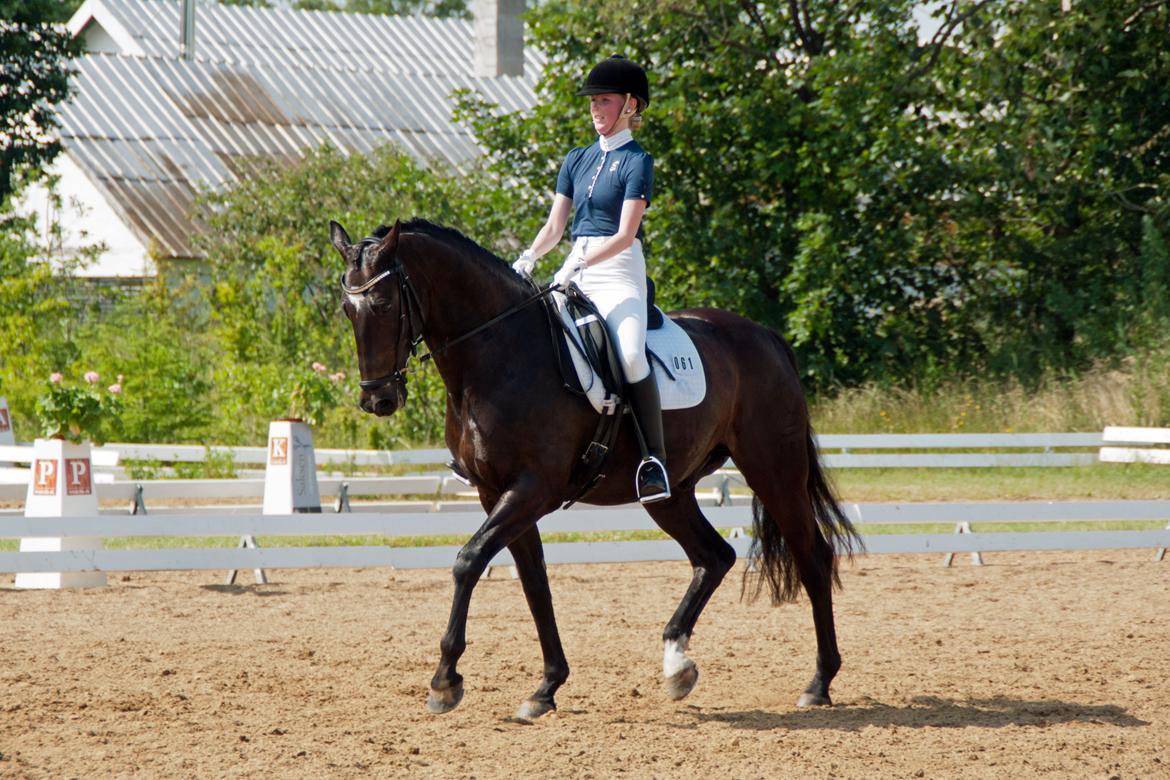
(651, 482)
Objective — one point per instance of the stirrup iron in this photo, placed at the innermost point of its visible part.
(651, 481)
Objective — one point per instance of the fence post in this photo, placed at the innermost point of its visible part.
(976, 557)
(342, 504)
(138, 503)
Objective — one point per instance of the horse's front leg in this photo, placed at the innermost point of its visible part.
(528, 553)
(516, 512)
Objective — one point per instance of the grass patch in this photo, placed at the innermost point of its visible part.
(1102, 481)
(1133, 391)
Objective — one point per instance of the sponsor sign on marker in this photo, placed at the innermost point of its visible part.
(77, 475)
(45, 472)
(278, 450)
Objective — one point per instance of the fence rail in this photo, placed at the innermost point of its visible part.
(841, 451)
(448, 510)
(591, 520)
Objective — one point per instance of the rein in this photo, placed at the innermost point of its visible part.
(411, 307)
(531, 299)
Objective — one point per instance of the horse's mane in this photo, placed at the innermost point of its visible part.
(450, 235)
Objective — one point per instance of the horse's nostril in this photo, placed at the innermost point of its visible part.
(384, 406)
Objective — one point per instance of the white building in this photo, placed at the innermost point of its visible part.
(162, 108)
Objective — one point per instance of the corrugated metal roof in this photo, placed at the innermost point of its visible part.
(153, 129)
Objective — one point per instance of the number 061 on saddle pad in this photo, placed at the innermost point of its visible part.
(673, 359)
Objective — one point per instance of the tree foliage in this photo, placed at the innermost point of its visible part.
(893, 205)
(34, 78)
(439, 9)
(274, 296)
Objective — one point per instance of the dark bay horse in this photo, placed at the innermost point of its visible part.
(518, 433)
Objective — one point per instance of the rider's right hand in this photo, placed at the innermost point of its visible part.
(525, 264)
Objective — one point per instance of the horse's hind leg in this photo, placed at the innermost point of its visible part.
(711, 558)
(795, 540)
(528, 553)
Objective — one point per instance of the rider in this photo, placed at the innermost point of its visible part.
(608, 184)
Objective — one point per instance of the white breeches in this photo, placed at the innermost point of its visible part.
(617, 287)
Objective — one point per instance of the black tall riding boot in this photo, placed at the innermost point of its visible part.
(651, 480)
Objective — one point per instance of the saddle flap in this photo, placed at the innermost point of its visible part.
(674, 361)
(599, 351)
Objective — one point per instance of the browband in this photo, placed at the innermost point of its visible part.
(367, 285)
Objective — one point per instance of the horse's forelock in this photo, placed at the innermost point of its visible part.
(358, 261)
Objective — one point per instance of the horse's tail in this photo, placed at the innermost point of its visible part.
(770, 557)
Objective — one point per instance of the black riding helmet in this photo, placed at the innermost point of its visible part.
(619, 76)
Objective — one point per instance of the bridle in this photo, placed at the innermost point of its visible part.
(410, 316)
(411, 319)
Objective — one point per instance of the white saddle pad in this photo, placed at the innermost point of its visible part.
(688, 386)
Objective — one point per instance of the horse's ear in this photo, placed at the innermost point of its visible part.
(390, 242)
(340, 239)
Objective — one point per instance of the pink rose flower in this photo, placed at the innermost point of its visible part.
(56, 377)
(115, 389)
(320, 369)
(92, 377)
(339, 376)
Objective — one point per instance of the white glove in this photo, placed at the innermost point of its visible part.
(525, 264)
(573, 266)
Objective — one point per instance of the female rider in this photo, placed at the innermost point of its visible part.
(608, 186)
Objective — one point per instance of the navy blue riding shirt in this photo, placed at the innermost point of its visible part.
(599, 182)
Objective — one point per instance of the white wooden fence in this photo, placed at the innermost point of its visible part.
(462, 524)
(882, 450)
(436, 517)
(837, 450)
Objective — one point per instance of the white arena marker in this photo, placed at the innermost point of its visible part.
(61, 485)
(7, 437)
(290, 478)
(6, 434)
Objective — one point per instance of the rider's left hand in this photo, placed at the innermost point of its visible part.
(573, 266)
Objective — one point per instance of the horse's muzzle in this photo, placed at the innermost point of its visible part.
(384, 401)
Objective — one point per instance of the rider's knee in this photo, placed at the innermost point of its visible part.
(635, 367)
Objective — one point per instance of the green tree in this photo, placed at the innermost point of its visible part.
(34, 78)
(893, 205)
(1065, 156)
(275, 301)
(441, 9)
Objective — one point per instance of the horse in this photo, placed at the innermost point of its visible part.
(517, 433)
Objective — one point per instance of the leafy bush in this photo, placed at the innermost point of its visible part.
(80, 412)
(314, 392)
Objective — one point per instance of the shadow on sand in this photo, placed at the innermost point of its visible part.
(930, 711)
(240, 590)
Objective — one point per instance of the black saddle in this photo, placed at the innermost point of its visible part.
(654, 317)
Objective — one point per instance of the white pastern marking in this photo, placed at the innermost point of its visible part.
(674, 657)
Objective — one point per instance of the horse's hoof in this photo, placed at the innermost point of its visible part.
(533, 709)
(809, 699)
(445, 700)
(682, 682)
